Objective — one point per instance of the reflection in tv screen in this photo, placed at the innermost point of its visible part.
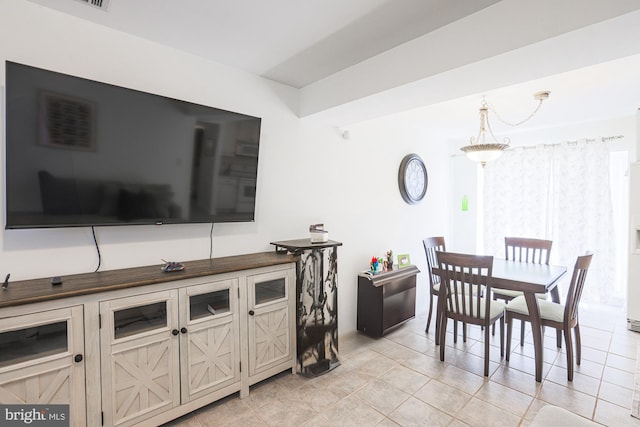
(85, 153)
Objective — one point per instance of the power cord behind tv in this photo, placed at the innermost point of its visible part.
(93, 231)
(211, 242)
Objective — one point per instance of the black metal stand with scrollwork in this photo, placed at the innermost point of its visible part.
(317, 304)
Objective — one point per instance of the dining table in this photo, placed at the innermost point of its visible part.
(530, 279)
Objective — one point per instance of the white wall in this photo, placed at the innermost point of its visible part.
(464, 227)
(307, 172)
(634, 156)
(360, 203)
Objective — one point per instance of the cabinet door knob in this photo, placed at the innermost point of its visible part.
(183, 330)
(175, 332)
(78, 358)
(251, 313)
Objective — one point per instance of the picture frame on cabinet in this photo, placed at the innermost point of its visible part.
(404, 260)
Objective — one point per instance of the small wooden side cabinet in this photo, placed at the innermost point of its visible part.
(386, 300)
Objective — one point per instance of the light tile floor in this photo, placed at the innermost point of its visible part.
(400, 380)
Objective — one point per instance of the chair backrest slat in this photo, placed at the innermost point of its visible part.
(576, 287)
(465, 278)
(431, 245)
(524, 249)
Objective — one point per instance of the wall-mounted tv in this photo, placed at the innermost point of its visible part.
(85, 153)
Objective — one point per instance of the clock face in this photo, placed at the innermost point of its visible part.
(412, 179)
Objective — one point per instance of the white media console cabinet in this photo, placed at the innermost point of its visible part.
(139, 346)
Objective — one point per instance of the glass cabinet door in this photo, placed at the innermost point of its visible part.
(269, 321)
(209, 338)
(42, 360)
(33, 342)
(209, 304)
(140, 353)
(139, 319)
(270, 290)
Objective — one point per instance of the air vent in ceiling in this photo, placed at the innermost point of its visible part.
(100, 4)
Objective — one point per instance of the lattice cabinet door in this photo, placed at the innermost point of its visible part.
(42, 360)
(269, 325)
(139, 341)
(210, 338)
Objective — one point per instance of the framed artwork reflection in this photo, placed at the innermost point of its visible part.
(66, 122)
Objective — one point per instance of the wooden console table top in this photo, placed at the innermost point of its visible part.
(38, 290)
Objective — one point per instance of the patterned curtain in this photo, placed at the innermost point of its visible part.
(516, 197)
(559, 192)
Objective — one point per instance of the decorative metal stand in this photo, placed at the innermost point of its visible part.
(317, 304)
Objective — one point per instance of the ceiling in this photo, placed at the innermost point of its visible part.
(338, 52)
(290, 41)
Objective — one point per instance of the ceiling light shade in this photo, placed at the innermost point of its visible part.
(482, 151)
(479, 150)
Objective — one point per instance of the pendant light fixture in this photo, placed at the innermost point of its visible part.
(485, 148)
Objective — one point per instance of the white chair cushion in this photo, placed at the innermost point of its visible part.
(495, 309)
(514, 294)
(548, 310)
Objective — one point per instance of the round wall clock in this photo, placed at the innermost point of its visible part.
(412, 179)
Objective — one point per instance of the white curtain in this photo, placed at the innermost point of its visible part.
(559, 192)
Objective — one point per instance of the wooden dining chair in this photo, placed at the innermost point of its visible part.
(562, 317)
(523, 249)
(465, 295)
(431, 245)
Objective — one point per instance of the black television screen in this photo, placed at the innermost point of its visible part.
(85, 153)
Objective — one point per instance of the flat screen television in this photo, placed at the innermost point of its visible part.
(85, 153)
